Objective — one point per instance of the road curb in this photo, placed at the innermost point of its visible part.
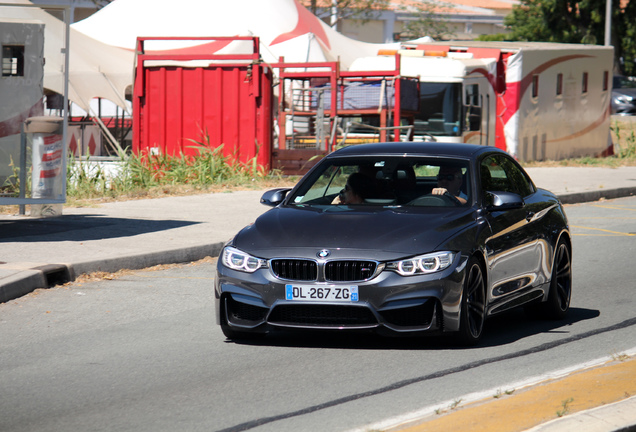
(140, 261)
(28, 280)
(582, 197)
(20, 284)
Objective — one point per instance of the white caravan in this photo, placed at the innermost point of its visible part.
(535, 100)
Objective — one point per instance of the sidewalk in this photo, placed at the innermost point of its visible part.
(113, 236)
(38, 253)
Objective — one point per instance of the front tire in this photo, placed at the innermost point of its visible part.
(558, 303)
(473, 305)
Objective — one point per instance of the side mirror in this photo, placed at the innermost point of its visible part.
(501, 201)
(274, 197)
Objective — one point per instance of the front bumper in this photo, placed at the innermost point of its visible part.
(388, 303)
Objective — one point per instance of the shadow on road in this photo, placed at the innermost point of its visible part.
(502, 329)
(81, 228)
(515, 325)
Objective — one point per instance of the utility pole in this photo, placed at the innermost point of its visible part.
(608, 22)
(334, 14)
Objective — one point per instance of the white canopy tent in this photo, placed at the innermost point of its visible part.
(95, 68)
(102, 45)
(285, 27)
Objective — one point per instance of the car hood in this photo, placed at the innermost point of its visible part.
(379, 233)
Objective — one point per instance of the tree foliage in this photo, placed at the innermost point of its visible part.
(424, 15)
(363, 10)
(426, 20)
(576, 22)
(624, 37)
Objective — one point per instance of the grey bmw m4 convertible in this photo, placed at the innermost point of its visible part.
(401, 239)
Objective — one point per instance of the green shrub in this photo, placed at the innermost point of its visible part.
(139, 173)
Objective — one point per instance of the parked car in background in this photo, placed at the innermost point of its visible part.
(624, 96)
(429, 238)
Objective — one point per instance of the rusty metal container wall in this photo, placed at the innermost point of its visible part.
(229, 105)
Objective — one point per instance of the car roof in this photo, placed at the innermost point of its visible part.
(437, 149)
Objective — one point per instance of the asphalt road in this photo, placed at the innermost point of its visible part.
(141, 352)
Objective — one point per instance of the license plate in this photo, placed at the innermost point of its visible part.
(323, 293)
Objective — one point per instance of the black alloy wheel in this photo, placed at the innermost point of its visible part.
(558, 302)
(473, 306)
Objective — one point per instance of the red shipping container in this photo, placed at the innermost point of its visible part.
(227, 103)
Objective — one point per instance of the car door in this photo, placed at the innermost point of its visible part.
(515, 249)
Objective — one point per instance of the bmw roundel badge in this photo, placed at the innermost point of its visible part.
(323, 253)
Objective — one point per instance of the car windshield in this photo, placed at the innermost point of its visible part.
(386, 181)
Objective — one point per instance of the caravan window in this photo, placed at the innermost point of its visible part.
(12, 60)
(440, 109)
(472, 95)
(535, 86)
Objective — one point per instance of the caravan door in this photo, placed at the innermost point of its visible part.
(478, 120)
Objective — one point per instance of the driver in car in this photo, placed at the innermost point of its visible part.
(449, 181)
(358, 188)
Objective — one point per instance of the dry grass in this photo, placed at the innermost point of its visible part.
(182, 190)
(170, 190)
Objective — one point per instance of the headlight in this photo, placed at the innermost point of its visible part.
(422, 264)
(241, 261)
